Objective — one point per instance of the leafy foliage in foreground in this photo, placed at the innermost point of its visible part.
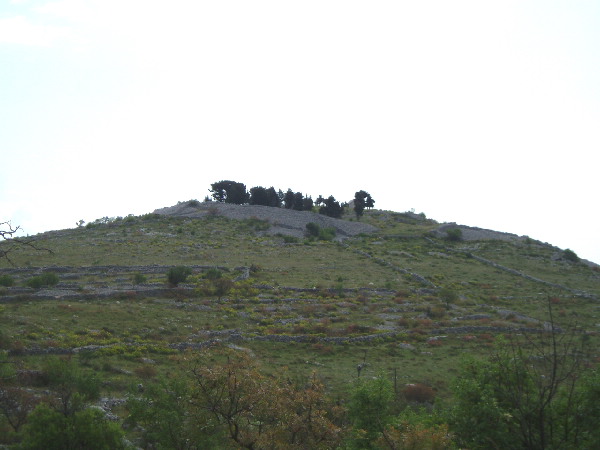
(225, 398)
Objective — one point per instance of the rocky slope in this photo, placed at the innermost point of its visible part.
(283, 221)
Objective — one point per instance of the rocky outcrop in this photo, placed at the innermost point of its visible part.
(281, 220)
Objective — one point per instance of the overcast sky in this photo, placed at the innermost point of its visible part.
(485, 113)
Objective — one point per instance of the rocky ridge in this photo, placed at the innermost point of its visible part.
(283, 221)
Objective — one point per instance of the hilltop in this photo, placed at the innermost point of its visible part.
(281, 220)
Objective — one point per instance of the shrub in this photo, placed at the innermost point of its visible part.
(43, 280)
(89, 428)
(418, 392)
(369, 410)
(139, 278)
(448, 295)
(213, 274)
(327, 234)
(313, 229)
(178, 274)
(454, 234)
(570, 255)
(146, 371)
(6, 281)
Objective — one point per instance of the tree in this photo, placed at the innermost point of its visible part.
(332, 208)
(258, 411)
(369, 410)
(307, 204)
(7, 233)
(227, 191)
(259, 196)
(298, 203)
(288, 199)
(362, 200)
(163, 410)
(274, 199)
(534, 393)
(359, 203)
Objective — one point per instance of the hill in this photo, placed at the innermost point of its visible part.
(390, 293)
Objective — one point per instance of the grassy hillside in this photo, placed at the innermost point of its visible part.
(401, 299)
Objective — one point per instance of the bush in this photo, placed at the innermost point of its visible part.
(454, 234)
(213, 274)
(6, 281)
(570, 255)
(312, 229)
(315, 231)
(369, 410)
(178, 274)
(139, 278)
(89, 428)
(327, 234)
(418, 392)
(43, 280)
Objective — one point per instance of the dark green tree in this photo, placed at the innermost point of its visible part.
(362, 200)
(288, 199)
(228, 191)
(359, 203)
(307, 204)
(298, 204)
(332, 208)
(259, 196)
(274, 199)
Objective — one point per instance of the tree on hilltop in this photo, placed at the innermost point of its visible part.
(288, 199)
(362, 200)
(273, 198)
(263, 196)
(332, 208)
(307, 204)
(298, 201)
(259, 196)
(227, 191)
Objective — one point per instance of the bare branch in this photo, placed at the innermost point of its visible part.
(7, 232)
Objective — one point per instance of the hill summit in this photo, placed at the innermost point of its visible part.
(282, 221)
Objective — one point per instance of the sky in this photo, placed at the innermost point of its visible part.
(483, 113)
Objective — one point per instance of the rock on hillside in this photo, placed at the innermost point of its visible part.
(284, 221)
